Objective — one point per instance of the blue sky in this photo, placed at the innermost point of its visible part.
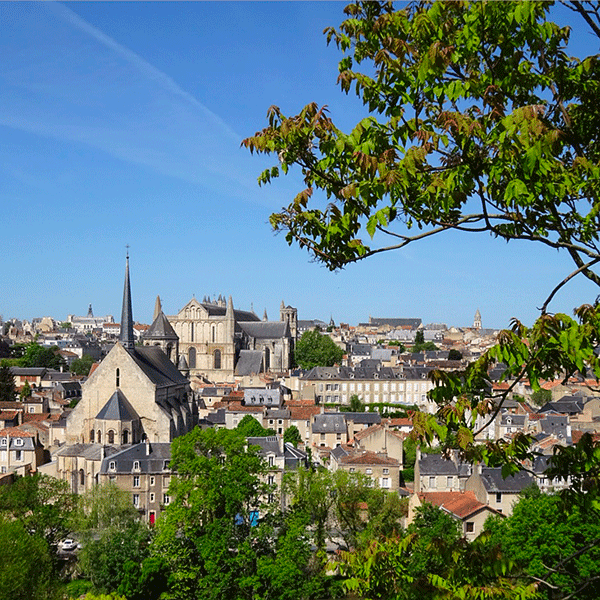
(121, 124)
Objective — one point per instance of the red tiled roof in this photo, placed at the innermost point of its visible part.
(367, 458)
(8, 415)
(303, 413)
(461, 504)
(15, 432)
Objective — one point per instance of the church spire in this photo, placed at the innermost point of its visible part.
(126, 337)
(157, 308)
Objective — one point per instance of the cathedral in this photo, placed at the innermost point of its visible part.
(219, 342)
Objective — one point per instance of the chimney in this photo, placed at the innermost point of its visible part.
(148, 447)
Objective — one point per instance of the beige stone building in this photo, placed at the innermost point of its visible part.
(219, 342)
(20, 451)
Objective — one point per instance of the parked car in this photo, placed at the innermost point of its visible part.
(68, 545)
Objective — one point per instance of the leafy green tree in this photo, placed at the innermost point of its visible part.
(43, 504)
(356, 404)
(541, 397)
(206, 534)
(317, 350)
(40, 356)
(82, 366)
(112, 535)
(558, 550)
(25, 391)
(8, 390)
(26, 572)
(454, 354)
(292, 436)
(250, 427)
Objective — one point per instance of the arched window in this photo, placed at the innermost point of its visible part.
(191, 332)
(169, 350)
(81, 477)
(267, 359)
(126, 437)
(214, 334)
(217, 359)
(117, 377)
(92, 436)
(99, 436)
(111, 436)
(192, 358)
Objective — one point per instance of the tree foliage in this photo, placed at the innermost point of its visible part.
(292, 436)
(35, 355)
(250, 427)
(8, 390)
(317, 350)
(82, 366)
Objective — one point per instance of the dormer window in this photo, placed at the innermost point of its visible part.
(4, 442)
(18, 441)
(166, 465)
(112, 466)
(136, 465)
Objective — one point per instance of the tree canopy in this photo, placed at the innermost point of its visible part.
(317, 350)
(480, 122)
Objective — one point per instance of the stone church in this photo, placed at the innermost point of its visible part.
(219, 342)
(136, 392)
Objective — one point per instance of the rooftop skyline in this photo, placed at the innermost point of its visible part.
(122, 125)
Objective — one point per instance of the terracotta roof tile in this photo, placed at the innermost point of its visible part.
(15, 432)
(461, 504)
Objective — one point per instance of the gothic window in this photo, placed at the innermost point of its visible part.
(214, 334)
(191, 332)
(99, 436)
(267, 359)
(118, 378)
(126, 437)
(169, 350)
(217, 359)
(192, 358)
(81, 477)
(92, 436)
(111, 436)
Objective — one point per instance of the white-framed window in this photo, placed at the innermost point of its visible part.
(498, 498)
(136, 465)
(112, 465)
(449, 481)
(369, 471)
(166, 481)
(166, 499)
(136, 500)
(151, 496)
(18, 441)
(432, 482)
(152, 480)
(136, 481)
(386, 471)
(19, 455)
(385, 482)
(4, 442)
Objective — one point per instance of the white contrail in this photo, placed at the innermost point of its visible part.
(141, 65)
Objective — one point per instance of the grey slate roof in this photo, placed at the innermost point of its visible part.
(413, 323)
(571, 405)
(249, 362)
(161, 329)
(157, 366)
(151, 456)
(436, 464)
(261, 330)
(364, 418)
(495, 483)
(117, 409)
(329, 422)
(32, 371)
(217, 417)
(268, 444)
(89, 451)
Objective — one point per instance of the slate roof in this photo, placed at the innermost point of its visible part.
(151, 456)
(249, 362)
(495, 483)
(363, 418)
(436, 464)
(570, 405)
(161, 329)
(31, 371)
(329, 422)
(89, 451)
(117, 408)
(413, 323)
(157, 366)
(269, 330)
(217, 417)
(267, 444)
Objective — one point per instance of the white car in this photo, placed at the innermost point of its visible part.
(69, 545)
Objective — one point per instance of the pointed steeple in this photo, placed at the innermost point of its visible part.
(90, 311)
(126, 337)
(265, 317)
(229, 314)
(157, 308)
